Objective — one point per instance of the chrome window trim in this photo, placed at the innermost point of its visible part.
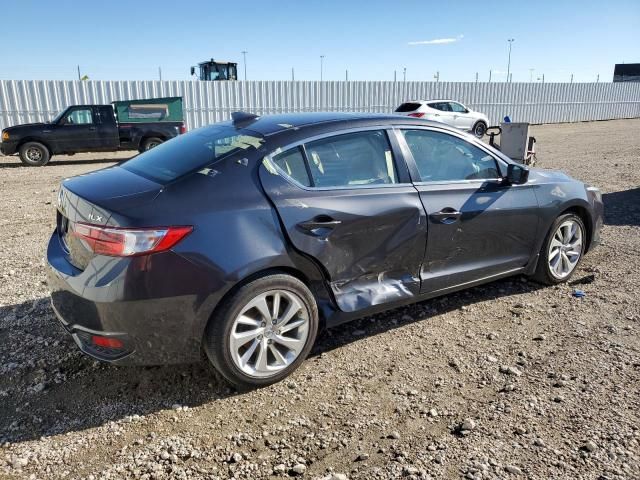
(301, 143)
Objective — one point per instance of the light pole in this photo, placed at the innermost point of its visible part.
(321, 66)
(531, 75)
(404, 74)
(244, 60)
(510, 40)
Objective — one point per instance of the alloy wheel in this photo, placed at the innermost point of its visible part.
(269, 333)
(34, 154)
(565, 249)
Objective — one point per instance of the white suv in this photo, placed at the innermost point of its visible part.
(447, 111)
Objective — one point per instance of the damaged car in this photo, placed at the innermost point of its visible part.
(243, 238)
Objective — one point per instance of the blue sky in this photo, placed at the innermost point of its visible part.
(120, 40)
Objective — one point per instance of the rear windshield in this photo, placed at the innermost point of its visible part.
(408, 107)
(192, 151)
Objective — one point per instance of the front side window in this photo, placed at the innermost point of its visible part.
(352, 159)
(441, 157)
(80, 116)
(456, 107)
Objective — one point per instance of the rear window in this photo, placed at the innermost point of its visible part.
(193, 151)
(408, 107)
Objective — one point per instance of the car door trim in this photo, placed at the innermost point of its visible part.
(399, 160)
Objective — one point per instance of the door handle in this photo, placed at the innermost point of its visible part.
(319, 226)
(446, 216)
(92, 128)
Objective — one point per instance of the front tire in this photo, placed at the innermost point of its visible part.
(562, 250)
(263, 332)
(479, 129)
(34, 154)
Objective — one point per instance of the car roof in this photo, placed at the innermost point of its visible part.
(432, 101)
(268, 125)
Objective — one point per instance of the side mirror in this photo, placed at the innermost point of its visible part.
(517, 174)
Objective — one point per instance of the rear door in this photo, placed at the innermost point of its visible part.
(478, 226)
(344, 200)
(77, 131)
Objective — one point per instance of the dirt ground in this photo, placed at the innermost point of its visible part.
(545, 385)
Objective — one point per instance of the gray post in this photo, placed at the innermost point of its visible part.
(489, 76)
(293, 77)
(510, 40)
(160, 73)
(321, 65)
(244, 60)
(79, 78)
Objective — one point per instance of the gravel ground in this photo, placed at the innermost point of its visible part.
(508, 380)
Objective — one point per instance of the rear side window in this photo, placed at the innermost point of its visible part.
(292, 163)
(442, 157)
(353, 159)
(408, 107)
(193, 151)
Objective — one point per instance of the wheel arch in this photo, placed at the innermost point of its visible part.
(584, 215)
(34, 139)
(312, 279)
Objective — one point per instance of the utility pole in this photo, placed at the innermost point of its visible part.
(321, 66)
(160, 73)
(572, 78)
(531, 74)
(293, 77)
(404, 74)
(346, 75)
(79, 78)
(437, 77)
(543, 78)
(394, 76)
(510, 40)
(598, 79)
(489, 76)
(476, 77)
(244, 60)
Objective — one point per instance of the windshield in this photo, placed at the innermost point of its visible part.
(193, 151)
(58, 116)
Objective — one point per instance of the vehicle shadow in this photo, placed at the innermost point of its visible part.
(622, 208)
(48, 387)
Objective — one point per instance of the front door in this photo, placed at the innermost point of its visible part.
(342, 201)
(77, 131)
(461, 117)
(478, 226)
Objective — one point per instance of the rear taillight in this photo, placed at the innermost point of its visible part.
(183, 129)
(126, 242)
(106, 342)
(417, 114)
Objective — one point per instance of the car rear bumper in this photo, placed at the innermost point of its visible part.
(138, 301)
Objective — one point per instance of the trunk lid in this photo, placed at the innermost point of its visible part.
(98, 198)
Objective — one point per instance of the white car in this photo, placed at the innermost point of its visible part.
(452, 113)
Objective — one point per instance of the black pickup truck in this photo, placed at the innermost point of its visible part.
(96, 128)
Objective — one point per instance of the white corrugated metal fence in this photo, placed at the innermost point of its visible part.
(24, 101)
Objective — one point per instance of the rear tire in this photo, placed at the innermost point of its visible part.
(562, 250)
(254, 339)
(150, 143)
(34, 154)
(479, 129)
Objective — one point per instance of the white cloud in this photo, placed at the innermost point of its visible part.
(438, 41)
